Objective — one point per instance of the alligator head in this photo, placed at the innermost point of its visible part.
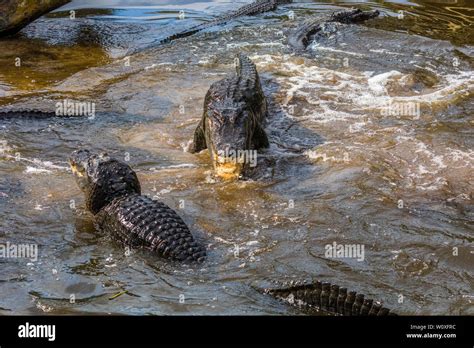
(228, 138)
(102, 178)
(231, 129)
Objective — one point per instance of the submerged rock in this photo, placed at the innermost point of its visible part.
(16, 14)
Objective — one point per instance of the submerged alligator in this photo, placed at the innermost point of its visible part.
(27, 113)
(305, 33)
(257, 7)
(113, 195)
(324, 297)
(16, 14)
(231, 127)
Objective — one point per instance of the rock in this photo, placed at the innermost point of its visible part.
(16, 14)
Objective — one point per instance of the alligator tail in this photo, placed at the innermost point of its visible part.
(19, 114)
(327, 298)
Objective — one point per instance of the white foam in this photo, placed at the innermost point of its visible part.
(174, 166)
(33, 170)
(329, 49)
(153, 66)
(4, 147)
(354, 92)
(378, 82)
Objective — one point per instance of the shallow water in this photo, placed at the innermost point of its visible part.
(342, 167)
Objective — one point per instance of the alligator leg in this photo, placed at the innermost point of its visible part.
(199, 142)
(260, 139)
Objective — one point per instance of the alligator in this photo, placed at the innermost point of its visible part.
(252, 9)
(315, 296)
(16, 14)
(304, 34)
(113, 196)
(26, 113)
(257, 7)
(231, 127)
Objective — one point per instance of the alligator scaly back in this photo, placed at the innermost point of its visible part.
(113, 195)
(143, 223)
(332, 299)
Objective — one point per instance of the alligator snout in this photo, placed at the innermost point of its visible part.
(228, 165)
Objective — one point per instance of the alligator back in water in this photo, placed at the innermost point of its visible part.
(113, 195)
(16, 14)
(302, 36)
(332, 299)
(28, 114)
(257, 7)
(235, 110)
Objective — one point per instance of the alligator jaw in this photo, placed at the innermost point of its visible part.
(228, 170)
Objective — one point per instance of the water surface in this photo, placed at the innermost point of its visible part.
(339, 169)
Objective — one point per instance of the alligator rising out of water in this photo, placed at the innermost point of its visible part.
(16, 14)
(113, 195)
(303, 35)
(324, 297)
(231, 127)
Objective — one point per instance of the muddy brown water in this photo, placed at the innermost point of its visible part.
(345, 164)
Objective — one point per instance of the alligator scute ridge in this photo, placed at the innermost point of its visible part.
(113, 195)
(327, 298)
(28, 113)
